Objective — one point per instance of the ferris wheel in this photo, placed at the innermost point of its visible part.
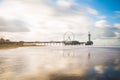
(69, 36)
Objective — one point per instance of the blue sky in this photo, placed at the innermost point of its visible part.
(105, 7)
(50, 19)
(102, 5)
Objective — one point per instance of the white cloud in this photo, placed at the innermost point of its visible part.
(117, 13)
(95, 13)
(101, 17)
(64, 3)
(117, 34)
(49, 20)
(44, 21)
(102, 24)
(117, 25)
(92, 11)
(13, 26)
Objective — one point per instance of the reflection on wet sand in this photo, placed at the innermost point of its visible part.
(59, 63)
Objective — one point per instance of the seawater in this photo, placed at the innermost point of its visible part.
(60, 63)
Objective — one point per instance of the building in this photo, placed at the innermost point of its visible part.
(2, 40)
(72, 43)
(89, 42)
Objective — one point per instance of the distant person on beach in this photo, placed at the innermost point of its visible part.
(89, 55)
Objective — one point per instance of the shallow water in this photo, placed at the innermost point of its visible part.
(60, 63)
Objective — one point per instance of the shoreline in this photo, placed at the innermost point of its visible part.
(15, 46)
(12, 46)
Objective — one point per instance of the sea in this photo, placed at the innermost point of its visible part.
(60, 63)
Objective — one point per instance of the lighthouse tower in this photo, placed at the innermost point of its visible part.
(89, 37)
(89, 42)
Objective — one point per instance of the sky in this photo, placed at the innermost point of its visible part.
(49, 20)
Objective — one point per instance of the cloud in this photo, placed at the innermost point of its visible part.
(92, 11)
(43, 18)
(64, 3)
(117, 34)
(117, 25)
(12, 26)
(117, 13)
(105, 32)
(112, 30)
(109, 32)
(50, 19)
(95, 13)
(102, 24)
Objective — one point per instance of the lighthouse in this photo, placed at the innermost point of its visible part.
(89, 42)
(89, 37)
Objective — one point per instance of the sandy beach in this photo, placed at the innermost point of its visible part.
(60, 63)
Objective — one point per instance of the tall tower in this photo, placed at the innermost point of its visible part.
(89, 42)
(89, 37)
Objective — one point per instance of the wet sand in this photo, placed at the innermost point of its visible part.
(60, 63)
(15, 46)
